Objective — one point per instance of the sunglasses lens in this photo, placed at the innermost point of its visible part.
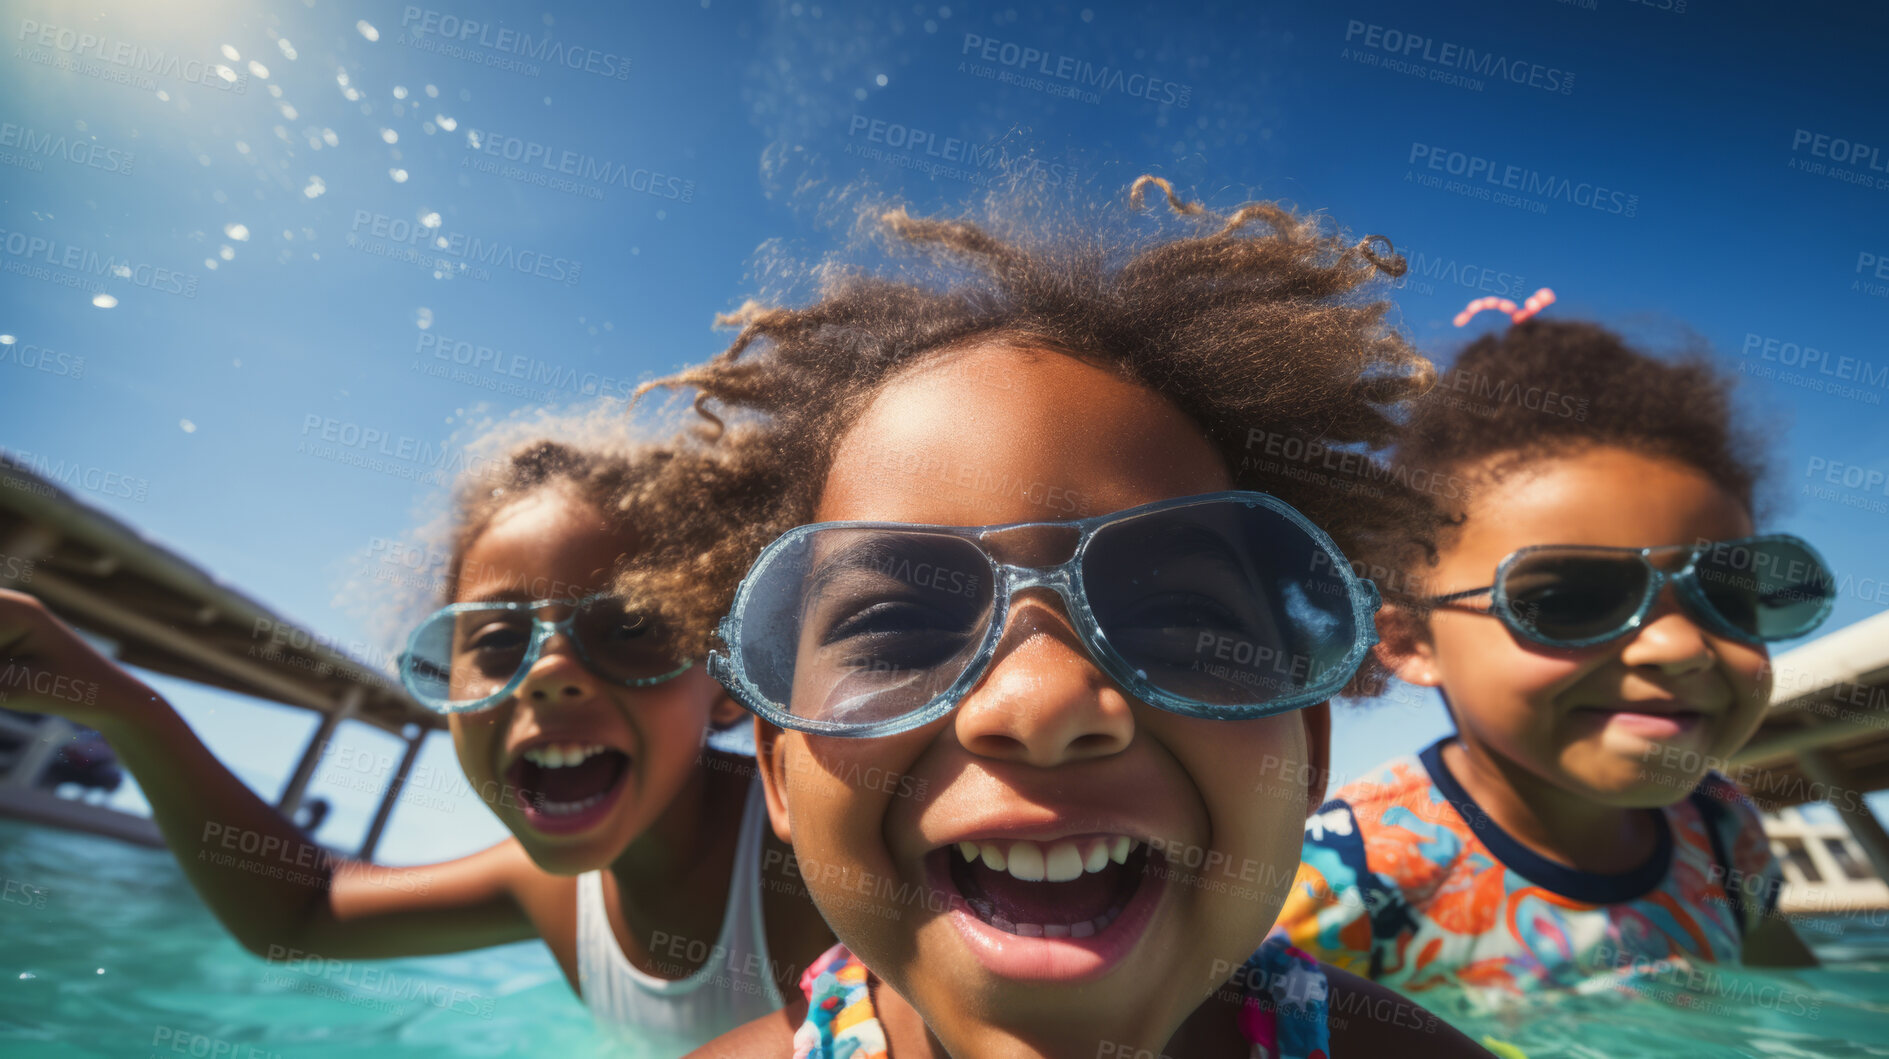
(623, 644)
(1225, 603)
(1766, 589)
(1573, 598)
(463, 656)
(859, 626)
(459, 657)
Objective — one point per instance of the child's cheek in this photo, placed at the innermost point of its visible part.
(1503, 683)
(671, 724)
(475, 743)
(1748, 669)
(843, 861)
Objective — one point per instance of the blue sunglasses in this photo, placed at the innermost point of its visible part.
(1228, 606)
(470, 656)
(1754, 590)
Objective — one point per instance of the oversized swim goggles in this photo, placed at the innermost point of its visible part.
(1756, 590)
(1227, 606)
(469, 656)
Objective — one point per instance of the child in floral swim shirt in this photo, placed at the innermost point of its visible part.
(1597, 621)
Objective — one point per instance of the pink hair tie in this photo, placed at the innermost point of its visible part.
(1536, 302)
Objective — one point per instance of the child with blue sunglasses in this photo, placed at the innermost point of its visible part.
(639, 856)
(1597, 621)
(1034, 573)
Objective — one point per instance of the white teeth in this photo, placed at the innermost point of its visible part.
(562, 755)
(1025, 861)
(1088, 928)
(1063, 863)
(1058, 861)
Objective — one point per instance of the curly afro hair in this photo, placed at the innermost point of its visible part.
(1549, 387)
(1256, 324)
(663, 487)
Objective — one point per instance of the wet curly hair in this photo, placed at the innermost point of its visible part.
(1550, 387)
(1256, 324)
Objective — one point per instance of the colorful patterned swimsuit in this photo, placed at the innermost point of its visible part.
(1407, 881)
(1283, 1015)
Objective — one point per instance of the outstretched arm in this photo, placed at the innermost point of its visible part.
(281, 895)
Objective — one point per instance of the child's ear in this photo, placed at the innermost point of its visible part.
(1317, 753)
(770, 761)
(1405, 648)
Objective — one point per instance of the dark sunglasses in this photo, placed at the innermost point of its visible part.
(1755, 590)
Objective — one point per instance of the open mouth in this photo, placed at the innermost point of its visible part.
(566, 787)
(1069, 888)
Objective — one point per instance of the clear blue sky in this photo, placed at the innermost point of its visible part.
(617, 181)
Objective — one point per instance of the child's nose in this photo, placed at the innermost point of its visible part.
(1669, 641)
(558, 675)
(1044, 702)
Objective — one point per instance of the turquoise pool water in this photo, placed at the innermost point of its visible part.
(107, 952)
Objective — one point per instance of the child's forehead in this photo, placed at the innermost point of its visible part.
(549, 544)
(1599, 495)
(996, 432)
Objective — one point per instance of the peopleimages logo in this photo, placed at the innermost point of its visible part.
(131, 60)
(34, 144)
(1839, 150)
(534, 375)
(35, 250)
(1452, 56)
(1424, 272)
(926, 151)
(577, 164)
(1078, 73)
(448, 34)
(1521, 180)
(459, 246)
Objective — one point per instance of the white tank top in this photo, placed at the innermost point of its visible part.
(732, 987)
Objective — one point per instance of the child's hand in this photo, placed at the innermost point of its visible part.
(46, 668)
